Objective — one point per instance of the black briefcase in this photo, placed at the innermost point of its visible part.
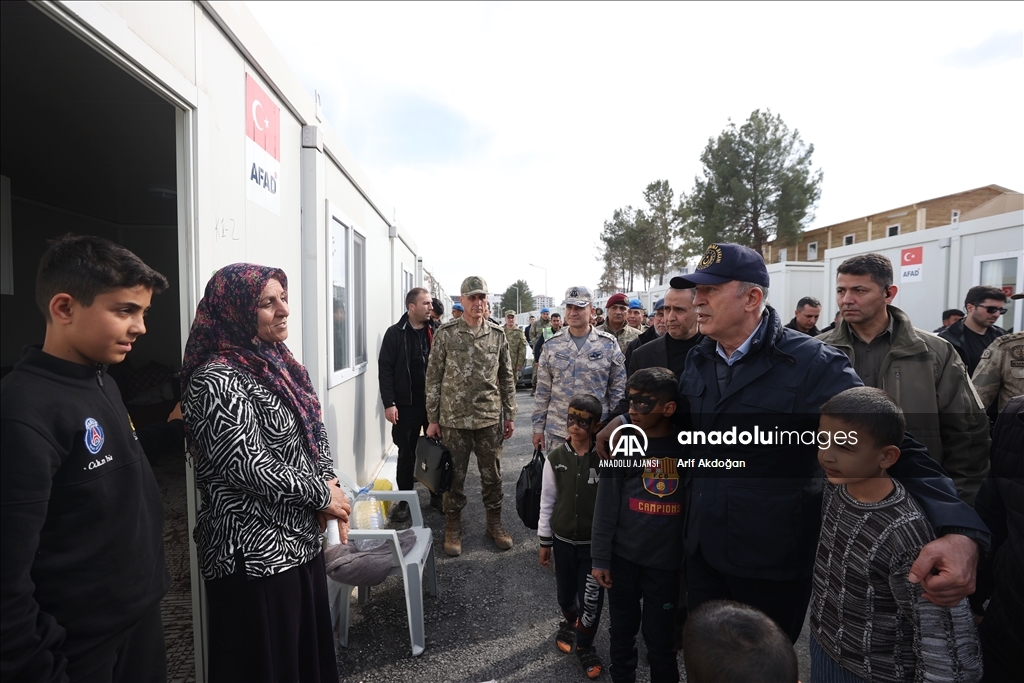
(433, 465)
(528, 490)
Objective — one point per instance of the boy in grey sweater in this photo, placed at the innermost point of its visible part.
(868, 622)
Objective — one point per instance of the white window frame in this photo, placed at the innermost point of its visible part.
(408, 282)
(849, 239)
(999, 256)
(338, 220)
(783, 255)
(811, 245)
(889, 232)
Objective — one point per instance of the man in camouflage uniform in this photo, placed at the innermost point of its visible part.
(469, 387)
(1000, 372)
(538, 326)
(516, 343)
(615, 322)
(635, 317)
(578, 360)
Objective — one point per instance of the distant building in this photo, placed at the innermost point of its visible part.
(541, 301)
(932, 213)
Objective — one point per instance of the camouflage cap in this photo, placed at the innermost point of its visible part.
(509, 312)
(578, 296)
(474, 284)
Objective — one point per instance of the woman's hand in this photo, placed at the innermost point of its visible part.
(339, 506)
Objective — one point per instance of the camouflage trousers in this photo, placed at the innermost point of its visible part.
(486, 442)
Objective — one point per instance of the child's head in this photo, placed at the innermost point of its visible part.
(730, 641)
(93, 294)
(652, 397)
(584, 416)
(859, 434)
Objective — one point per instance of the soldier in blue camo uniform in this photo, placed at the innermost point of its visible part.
(469, 388)
(580, 359)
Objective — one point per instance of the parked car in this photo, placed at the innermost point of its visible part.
(525, 379)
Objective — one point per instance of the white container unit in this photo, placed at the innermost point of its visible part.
(933, 269)
(180, 132)
(791, 281)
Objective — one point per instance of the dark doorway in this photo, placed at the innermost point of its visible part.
(88, 149)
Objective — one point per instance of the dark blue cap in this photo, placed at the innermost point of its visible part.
(723, 263)
(458, 307)
(659, 304)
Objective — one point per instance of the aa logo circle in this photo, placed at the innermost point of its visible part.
(629, 441)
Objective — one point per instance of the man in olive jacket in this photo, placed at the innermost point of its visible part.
(921, 371)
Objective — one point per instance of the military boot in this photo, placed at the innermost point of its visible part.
(496, 531)
(453, 534)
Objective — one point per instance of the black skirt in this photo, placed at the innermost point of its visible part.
(274, 629)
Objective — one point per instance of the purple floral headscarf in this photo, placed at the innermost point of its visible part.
(224, 331)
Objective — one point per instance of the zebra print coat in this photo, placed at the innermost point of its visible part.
(260, 488)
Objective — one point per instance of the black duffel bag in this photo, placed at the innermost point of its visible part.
(434, 467)
(528, 490)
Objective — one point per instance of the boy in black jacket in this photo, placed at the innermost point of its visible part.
(637, 534)
(568, 494)
(82, 521)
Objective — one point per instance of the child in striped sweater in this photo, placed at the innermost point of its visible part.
(868, 622)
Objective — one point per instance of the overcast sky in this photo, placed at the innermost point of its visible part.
(506, 134)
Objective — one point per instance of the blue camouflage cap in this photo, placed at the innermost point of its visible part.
(724, 263)
(578, 296)
(635, 304)
(545, 310)
(458, 307)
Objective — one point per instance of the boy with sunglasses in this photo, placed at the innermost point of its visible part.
(637, 533)
(568, 495)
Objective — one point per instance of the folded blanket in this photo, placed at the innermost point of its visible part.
(354, 567)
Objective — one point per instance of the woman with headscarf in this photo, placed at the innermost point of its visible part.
(264, 466)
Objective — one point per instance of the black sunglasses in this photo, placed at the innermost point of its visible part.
(994, 309)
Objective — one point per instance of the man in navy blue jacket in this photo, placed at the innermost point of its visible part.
(752, 537)
(751, 531)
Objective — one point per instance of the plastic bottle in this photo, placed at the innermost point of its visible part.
(367, 513)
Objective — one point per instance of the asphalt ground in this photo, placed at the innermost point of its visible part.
(495, 615)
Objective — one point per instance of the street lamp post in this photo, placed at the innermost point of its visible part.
(534, 265)
(517, 298)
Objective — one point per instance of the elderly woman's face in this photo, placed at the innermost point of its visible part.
(272, 313)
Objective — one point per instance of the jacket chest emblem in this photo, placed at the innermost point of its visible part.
(93, 435)
(595, 355)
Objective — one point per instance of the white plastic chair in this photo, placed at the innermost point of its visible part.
(410, 567)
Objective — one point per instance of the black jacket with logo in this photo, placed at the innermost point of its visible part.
(82, 520)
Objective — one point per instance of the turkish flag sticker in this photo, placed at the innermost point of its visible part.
(912, 256)
(262, 118)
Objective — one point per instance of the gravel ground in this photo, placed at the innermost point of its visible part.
(495, 615)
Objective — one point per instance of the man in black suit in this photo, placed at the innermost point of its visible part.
(670, 349)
